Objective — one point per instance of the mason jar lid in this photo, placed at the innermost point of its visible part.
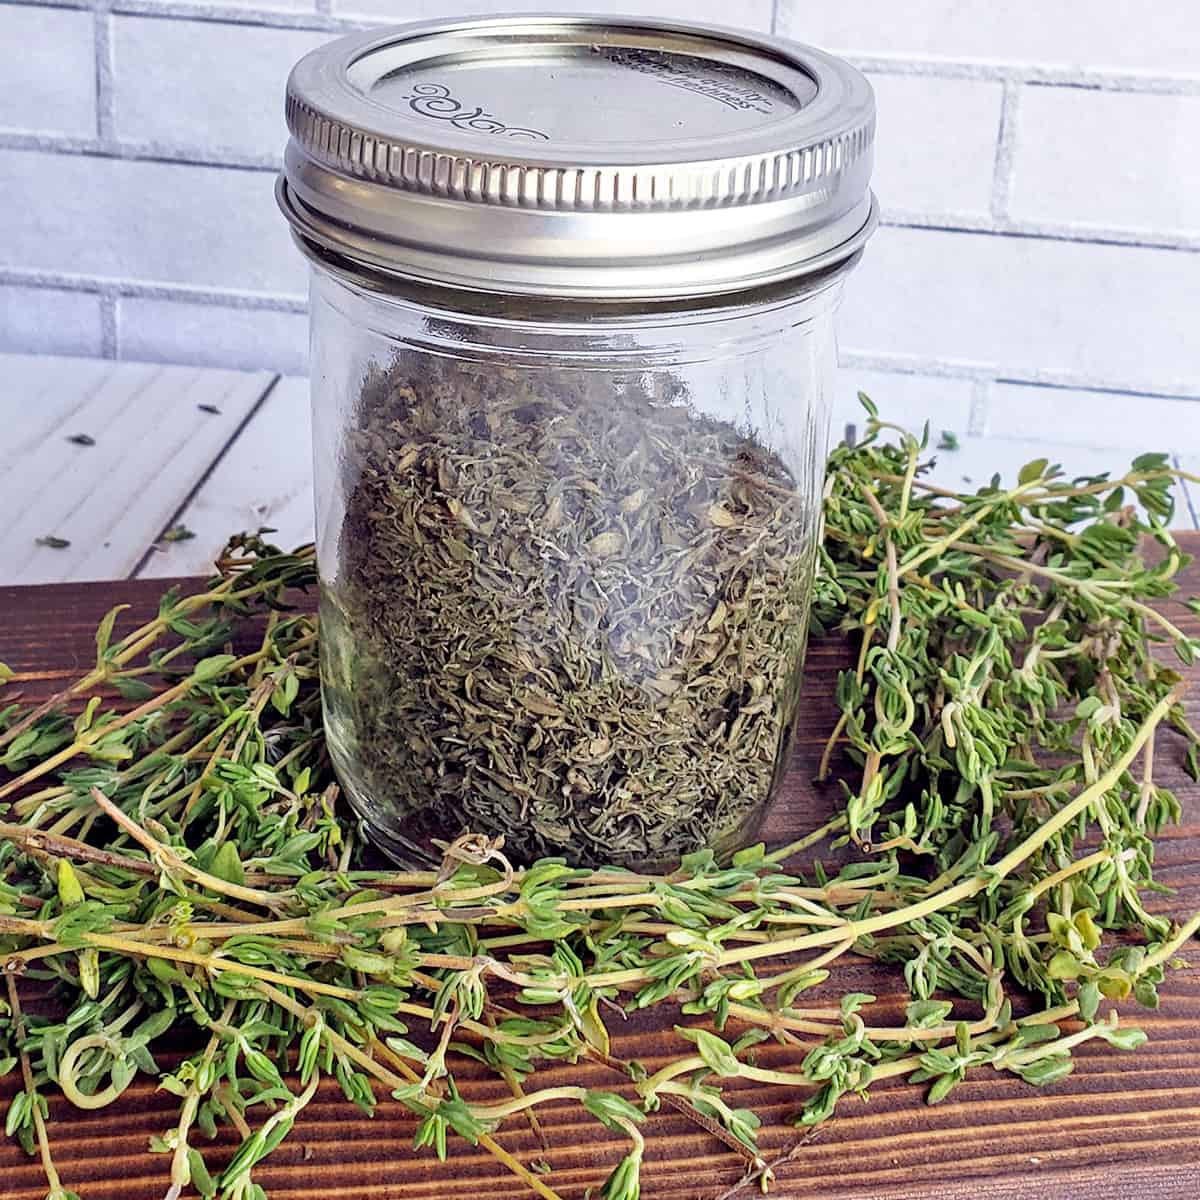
(578, 156)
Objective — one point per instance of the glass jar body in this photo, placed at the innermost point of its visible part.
(566, 552)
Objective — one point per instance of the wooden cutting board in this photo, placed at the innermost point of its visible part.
(1122, 1125)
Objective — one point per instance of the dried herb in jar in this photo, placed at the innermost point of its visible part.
(566, 610)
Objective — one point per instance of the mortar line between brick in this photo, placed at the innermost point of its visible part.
(1006, 148)
(110, 334)
(1000, 374)
(1131, 393)
(134, 151)
(1187, 244)
(105, 103)
(135, 289)
(981, 401)
(318, 19)
(78, 5)
(1035, 76)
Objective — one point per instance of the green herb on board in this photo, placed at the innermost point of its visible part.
(178, 533)
(948, 441)
(180, 859)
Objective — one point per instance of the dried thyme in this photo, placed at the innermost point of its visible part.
(566, 615)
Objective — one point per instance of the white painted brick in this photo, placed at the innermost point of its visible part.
(49, 321)
(747, 14)
(147, 221)
(1097, 419)
(1162, 38)
(903, 399)
(167, 91)
(1108, 159)
(152, 330)
(47, 64)
(953, 174)
(1120, 316)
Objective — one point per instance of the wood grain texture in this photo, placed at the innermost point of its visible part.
(1123, 1125)
(110, 500)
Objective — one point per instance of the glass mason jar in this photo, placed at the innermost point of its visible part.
(571, 390)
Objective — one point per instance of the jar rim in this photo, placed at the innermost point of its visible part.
(452, 301)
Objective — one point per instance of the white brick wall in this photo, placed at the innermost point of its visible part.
(956, 181)
(1109, 160)
(1102, 420)
(1038, 271)
(47, 321)
(234, 113)
(1072, 37)
(177, 331)
(1064, 312)
(111, 219)
(47, 64)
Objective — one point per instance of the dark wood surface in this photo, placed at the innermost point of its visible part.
(1123, 1125)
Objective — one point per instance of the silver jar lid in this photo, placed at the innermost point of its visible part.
(575, 156)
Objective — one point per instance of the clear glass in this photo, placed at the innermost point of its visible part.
(566, 553)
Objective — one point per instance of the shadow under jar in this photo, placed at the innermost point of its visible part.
(571, 369)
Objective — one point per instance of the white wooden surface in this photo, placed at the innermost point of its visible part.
(264, 479)
(161, 460)
(111, 500)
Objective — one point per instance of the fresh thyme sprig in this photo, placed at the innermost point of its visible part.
(186, 863)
